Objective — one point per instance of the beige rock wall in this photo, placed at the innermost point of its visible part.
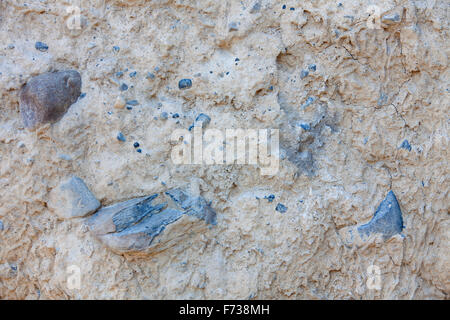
(379, 80)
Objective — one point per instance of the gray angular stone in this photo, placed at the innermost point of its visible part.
(47, 97)
(387, 219)
(72, 198)
(137, 225)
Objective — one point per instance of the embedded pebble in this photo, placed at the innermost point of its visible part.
(233, 26)
(132, 102)
(185, 84)
(405, 145)
(270, 197)
(164, 115)
(47, 97)
(121, 137)
(202, 121)
(1, 226)
(72, 198)
(305, 126)
(391, 19)
(41, 46)
(138, 225)
(281, 208)
(386, 220)
(304, 74)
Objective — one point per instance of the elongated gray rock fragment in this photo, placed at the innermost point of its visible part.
(387, 219)
(138, 225)
(47, 97)
(72, 198)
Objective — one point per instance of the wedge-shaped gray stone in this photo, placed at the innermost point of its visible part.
(72, 198)
(138, 225)
(47, 97)
(387, 219)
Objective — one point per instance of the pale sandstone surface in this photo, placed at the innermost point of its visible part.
(372, 89)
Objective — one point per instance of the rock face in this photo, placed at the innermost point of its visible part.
(139, 226)
(387, 220)
(72, 199)
(46, 97)
(360, 99)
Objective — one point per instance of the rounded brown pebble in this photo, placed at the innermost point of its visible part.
(47, 97)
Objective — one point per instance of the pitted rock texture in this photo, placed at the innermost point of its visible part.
(46, 97)
(139, 226)
(375, 82)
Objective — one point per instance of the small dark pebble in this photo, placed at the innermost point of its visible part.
(150, 75)
(82, 95)
(119, 74)
(129, 108)
(283, 7)
(281, 208)
(292, 9)
(164, 115)
(116, 49)
(271, 88)
(185, 84)
(123, 87)
(305, 126)
(136, 144)
(405, 145)
(139, 150)
(1, 226)
(304, 74)
(233, 26)
(132, 102)
(236, 60)
(175, 115)
(41, 46)
(256, 7)
(133, 74)
(121, 137)
(312, 67)
(203, 118)
(270, 197)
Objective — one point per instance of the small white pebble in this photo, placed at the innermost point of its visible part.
(120, 103)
